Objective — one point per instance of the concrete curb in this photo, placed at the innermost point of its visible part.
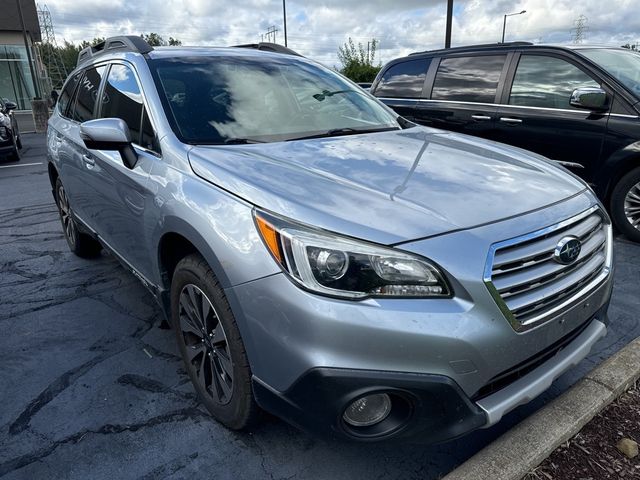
(529, 443)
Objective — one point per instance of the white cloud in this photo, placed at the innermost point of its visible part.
(318, 28)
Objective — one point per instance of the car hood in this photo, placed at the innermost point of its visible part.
(387, 187)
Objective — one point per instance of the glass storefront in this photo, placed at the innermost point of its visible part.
(16, 83)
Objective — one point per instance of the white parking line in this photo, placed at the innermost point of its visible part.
(21, 165)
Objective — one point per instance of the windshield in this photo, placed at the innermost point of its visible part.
(218, 100)
(624, 65)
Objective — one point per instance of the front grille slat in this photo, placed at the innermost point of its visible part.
(544, 246)
(547, 271)
(539, 294)
(528, 280)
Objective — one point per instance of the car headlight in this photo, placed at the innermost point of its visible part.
(331, 264)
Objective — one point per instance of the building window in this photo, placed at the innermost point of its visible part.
(16, 83)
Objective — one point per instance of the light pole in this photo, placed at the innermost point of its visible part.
(284, 16)
(447, 33)
(504, 25)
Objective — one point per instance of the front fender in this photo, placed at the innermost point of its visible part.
(220, 226)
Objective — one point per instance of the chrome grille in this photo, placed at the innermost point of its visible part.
(531, 287)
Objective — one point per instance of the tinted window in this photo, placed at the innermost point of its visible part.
(87, 94)
(468, 79)
(122, 99)
(403, 80)
(67, 93)
(546, 82)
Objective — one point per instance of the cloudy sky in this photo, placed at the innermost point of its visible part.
(317, 27)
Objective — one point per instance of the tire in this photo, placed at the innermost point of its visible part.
(625, 205)
(15, 155)
(79, 243)
(19, 143)
(213, 351)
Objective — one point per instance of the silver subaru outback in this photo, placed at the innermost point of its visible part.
(320, 257)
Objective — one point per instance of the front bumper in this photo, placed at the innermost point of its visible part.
(426, 408)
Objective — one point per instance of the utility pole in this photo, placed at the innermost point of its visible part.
(284, 17)
(270, 35)
(49, 49)
(36, 86)
(447, 35)
(581, 28)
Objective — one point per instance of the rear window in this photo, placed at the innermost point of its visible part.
(468, 79)
(87, 94)
(67, 93)
(403, 80)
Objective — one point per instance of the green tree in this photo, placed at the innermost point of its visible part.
(358, 62)
(156, 40)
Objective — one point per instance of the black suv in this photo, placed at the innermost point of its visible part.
(578, 105)
(10, 143)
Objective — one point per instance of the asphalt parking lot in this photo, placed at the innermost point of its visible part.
(90, 387)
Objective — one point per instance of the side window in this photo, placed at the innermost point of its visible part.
(468, 79)
(403, 80)
(122, 98)
(87, 94)
(67, 93)
(547, 82)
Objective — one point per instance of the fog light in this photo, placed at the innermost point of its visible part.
(368, 410)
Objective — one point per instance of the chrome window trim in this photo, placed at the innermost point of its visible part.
(547, 315)
(583, 112)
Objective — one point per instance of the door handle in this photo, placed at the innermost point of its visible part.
(481, 117)
(513, 121)
(88, 160)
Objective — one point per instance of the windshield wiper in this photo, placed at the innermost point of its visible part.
(344, 131)
(326, 93)
(241, 141)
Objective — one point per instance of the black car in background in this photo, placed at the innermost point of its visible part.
(579, 105)
(10, 143)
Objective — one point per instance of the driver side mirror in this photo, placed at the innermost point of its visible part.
(8, 106)
(590, 98)
(109, 134)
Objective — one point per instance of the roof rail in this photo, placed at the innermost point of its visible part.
(269, 47)
(475, 47)
(125, 43)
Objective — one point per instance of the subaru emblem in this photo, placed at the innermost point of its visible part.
(567, 250)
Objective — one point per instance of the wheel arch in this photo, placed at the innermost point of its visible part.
(617, 166)
(53, 174)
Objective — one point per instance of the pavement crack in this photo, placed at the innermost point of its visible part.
(62, 383)
(190, 413)
(153, 386)
(53, 390)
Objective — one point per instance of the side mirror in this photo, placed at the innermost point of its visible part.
(590, 98)
(109, 134)
(8, 106)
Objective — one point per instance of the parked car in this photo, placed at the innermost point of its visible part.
(10, 143)
(578, 105)
(317, 255)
